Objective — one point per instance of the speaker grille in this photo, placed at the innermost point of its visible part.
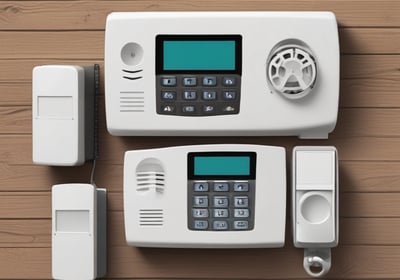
(150, 180)
(292, 71)
(131, 101)
(151, 217)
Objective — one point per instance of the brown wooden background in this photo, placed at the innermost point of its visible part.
(367, 137)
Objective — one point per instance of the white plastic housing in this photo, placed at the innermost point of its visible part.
(166, 196)
(130, 46)
(315, 197)
(74, 231)
(58, 115)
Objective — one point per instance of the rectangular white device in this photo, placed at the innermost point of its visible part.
(315, 197)
(78, 231)
(222, 73)
(58, 121)
(205, 196)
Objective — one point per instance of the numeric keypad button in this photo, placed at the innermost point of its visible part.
(229, 81)
(229, 95)
(200, 187)
(241, 201)
(168, 95)
(210, 81)
(221, 213)
(189, 81)
(200, 224)
(200, 213)
(240, 225)
(190, 95)
(190, 109)
(220, 225)
(168, 81)
(241, 213)
(221, 187)
(241, 187)
(220, 201)
(200, 201)
(209, 95)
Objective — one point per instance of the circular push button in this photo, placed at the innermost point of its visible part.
(315, 208)
(132, 54)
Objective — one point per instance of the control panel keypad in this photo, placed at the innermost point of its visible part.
(215, 205)
(198, 94)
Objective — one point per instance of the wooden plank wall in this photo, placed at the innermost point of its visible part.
(367, 137)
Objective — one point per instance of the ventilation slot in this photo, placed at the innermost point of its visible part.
(150, 180)
(151, 217)
(131, 101)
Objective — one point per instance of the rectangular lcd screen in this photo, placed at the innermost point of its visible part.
(233, 165)
(221, 165)
(198, 53)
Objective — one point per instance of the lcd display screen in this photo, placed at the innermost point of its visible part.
(201, 53)
(222, 165)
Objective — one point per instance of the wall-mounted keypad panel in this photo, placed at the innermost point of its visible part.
(221, 205)
(198, 94)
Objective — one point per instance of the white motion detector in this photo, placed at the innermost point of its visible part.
(78, 232)
(63, 114)
(222, 73)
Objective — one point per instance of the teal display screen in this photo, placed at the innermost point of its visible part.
(222, 164)
(198, 54)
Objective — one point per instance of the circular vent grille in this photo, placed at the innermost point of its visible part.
(292, 71)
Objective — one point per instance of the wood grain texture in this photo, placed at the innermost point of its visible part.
(378, 262)
(367, 137)
(91, 15)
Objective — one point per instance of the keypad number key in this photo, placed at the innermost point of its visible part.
(220, 201)
(200, 224)
(241, 201)
(190, 109)
(241, 213)
(210, 81)
(208, 109)
(209, 95)
(229, 81)
(229, 95)
(200, 213)
(168, 81)
(240, 187)
(168, 95)
(189, 81)
(221, 213)
(221, 187)
(241, 225)
(190, 95)
(168, 109)
(200, 187)
(200, 201)
(220, 225)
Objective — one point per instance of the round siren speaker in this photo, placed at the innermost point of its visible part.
(292, 71)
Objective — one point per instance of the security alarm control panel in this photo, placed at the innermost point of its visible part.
(208, 196)
(222, 73)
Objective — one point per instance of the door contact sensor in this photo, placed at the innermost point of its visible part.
(315, 205)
